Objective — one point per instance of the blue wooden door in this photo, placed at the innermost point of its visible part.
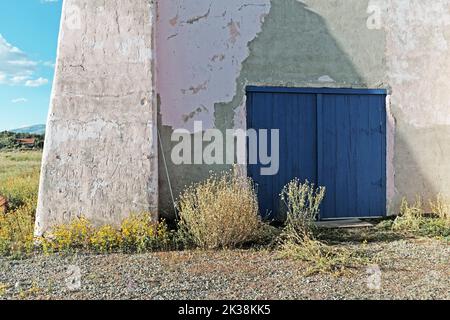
(352, 155)
(295, 116)
(335, 138)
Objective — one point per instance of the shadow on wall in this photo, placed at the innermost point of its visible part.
(177, 177)
(419, 174)
(297, 48)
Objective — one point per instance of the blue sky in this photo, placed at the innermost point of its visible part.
(28, 42)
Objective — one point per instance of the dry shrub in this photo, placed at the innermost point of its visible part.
(221, 212)
(3, 288)
(16, 231)
(20, 190)
(17, 223)
(413, 220)
(298, 240)
(105, 239)
(71, 236)
(138, 233)
(410, 217)
(303, 202)
(440, 208)
(323, 258)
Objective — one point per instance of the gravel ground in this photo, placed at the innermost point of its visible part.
(410, 269)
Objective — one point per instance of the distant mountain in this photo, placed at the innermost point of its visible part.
(37, 129)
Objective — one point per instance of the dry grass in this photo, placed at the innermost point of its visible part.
(324, 258)
(413, 220)
(303, 204)
(3, 288)
(19, 177)
(298, 239)
(410, 217)
(221, 212)
(440, 207)
(138, 233)
(13, 164)
(19, 181)
(16, 231)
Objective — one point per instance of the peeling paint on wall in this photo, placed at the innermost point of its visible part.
(201, 47)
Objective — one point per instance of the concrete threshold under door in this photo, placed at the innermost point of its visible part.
(344, 224)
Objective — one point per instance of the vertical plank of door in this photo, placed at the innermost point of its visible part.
(383, 111)
(249, 126)
(319, 142)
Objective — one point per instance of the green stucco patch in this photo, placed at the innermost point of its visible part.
(306, 44)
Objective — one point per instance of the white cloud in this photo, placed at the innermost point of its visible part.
(14, 63)
(19, 100)
(19, 79)
(16, 68)
(36, 82)
(23, 63)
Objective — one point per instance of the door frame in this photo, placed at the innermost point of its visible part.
(312, 90)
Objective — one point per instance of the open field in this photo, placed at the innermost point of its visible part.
(16, 163)
(19, 182)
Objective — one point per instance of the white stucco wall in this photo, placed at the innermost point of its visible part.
(100, 157)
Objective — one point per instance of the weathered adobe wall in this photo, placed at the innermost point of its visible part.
(208, 51)
(100, 157)
(101, 152)
(418, 73)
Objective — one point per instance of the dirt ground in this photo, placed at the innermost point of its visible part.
(407, 269)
